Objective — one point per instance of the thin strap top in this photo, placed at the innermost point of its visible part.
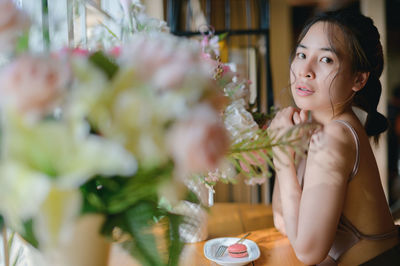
(347, 235)
(357, 141)
(302, 164)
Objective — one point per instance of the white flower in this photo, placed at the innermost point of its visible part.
(55, 220)
(239, 122)
(211, 45)
(88, 87)
(149, 24)
(131, 6)
(256, 180)
(56, 150)
(238, 90)
(225, 172)
(22, 191)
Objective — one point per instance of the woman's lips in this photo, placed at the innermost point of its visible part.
(303, 91)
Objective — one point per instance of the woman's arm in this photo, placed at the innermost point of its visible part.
(290, 192)
(284, 165)
(284, 120)
(277, 208)
(311, 215)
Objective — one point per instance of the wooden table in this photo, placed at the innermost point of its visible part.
(275, 249)
(230, 220)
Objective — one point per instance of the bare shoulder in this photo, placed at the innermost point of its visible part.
(334, 149)
(335, 136)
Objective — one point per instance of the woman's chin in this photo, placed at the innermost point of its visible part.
(303, 106)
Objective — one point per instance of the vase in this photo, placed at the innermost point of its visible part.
(85, 247)
(194, 226)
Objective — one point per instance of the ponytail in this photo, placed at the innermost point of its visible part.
(367, 99)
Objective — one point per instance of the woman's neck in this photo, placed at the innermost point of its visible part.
(327, 116)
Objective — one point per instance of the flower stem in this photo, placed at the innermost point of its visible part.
(45, 24)
(267, 146)
(5, 247)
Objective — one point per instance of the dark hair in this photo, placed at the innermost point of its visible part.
(365, 52)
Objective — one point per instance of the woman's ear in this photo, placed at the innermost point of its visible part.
(361, 79)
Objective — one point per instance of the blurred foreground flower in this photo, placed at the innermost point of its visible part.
(198, 143)
(33, 85)
(107, 133)
(13, 23)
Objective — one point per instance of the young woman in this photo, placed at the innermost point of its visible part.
(334, 211)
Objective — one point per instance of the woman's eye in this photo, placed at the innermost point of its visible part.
(301, 55)
(326, 60)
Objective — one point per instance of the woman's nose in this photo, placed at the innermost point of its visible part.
(306, 70)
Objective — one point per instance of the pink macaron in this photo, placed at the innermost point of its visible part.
(237, 251)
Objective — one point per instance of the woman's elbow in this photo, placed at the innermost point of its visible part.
(309, 259)
(310, 255)
(279, 224)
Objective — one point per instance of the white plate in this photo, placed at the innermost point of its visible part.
(211, 246)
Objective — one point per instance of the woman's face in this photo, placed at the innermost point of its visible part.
(319, 80)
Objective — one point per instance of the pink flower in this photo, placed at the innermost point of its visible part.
(172, 74)
(253, 159)
(79, 51)
(12, 23)
(115, 51)
(210, 45)
(33, 85)
(67, 51)
(227, 73)
(207, 58)
(212, 177)
(167, 63)
(199, 142)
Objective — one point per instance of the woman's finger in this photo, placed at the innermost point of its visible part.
(303, 116)
(296, 118)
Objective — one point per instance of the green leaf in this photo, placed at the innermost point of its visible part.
(104, 63)
(261, 118)
(131, 204)
(29, 234)
(112, 222)
(98, 190)
(109, 31)
(222, 36)
(143, 245)
(296, 138)
(137, 222)
(175, 243)
(10, 240)
(1, 223)
(22, 44)
(113, 196)
(192, 197)
(143, 186)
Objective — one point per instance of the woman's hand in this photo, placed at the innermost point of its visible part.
(281, 124)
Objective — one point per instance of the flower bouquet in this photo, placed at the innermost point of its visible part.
(113, 134)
